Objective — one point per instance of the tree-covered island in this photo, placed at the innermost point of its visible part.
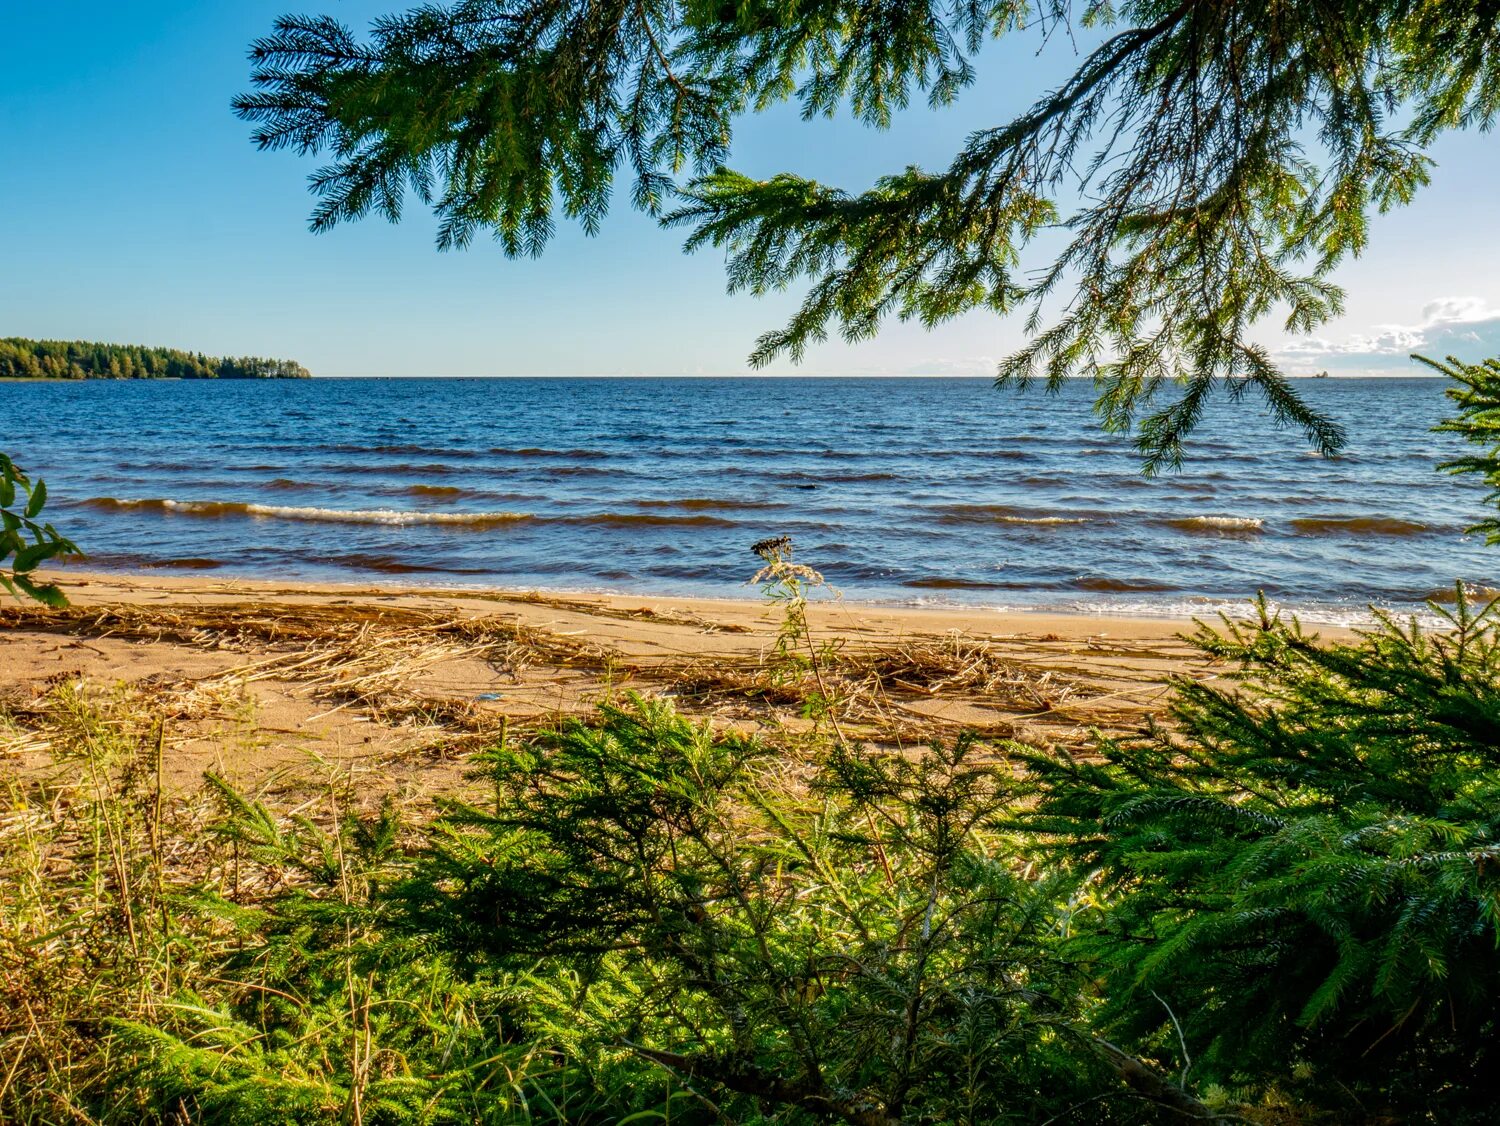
(80, 359)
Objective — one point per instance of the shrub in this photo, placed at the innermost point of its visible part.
(23, 541)
(855, 944)
(1295, 883)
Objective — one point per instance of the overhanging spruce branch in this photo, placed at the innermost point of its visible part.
(1209, 164)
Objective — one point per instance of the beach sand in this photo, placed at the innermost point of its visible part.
(263, 682)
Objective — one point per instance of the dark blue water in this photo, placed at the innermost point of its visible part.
(916, 490)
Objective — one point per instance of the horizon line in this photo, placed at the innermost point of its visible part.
(757, 375)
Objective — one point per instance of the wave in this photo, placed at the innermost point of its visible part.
(1042, 482)
(799, 480)
(936, 583)
(1215, 525)
(1358, 526)
(395, 565)
(432, 469)
(807, 480)
(217, 509)
(1003, 514)
(1204, 608)
(376, 469)
(694, 504)
(647, 519)
(533, 451)
(286, 484)
(407, 450)
(1474, 592)
(1118, 586)
(148, 562)
(1042, 520)
(434, 491)
(161, 466)
(923, 452)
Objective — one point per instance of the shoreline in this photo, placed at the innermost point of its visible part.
(918, 617)
(400, 684)
(1128, 605)
(275, 685)
(929, 499)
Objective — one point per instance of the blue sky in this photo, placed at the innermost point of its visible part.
(133, 208)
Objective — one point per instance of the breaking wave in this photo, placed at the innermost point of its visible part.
(1216, 525)
(218, 509)
(1001, 514)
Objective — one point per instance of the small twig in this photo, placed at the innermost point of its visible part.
(1187, 1060)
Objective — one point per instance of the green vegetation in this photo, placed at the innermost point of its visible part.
(1476, 390)
(649, 919)
(1296, 876)
(1210, 165)
(1278, 905)
(78, 359)
(24, 542)
(1282, 912)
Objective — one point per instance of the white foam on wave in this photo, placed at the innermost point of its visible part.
(1048, 520)
(1346, 616)
(381, 515)
(1216, 523)
(389, 516)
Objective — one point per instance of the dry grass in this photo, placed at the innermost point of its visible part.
(251, 625)
(347, 656)
(904, 694)
(634, 614)
(959, 664)
(104, 877)
(379, 662)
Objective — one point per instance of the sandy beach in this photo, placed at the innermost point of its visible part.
(260, 680)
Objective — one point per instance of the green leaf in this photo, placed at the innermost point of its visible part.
(47, 594)
(28, 558)
(38, 498)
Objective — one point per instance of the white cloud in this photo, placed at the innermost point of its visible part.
(1458, 310)
(1465, 326)
(1468, 327)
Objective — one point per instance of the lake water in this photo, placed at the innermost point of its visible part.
(907, 490)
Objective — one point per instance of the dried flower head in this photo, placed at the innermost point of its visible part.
(773, 550)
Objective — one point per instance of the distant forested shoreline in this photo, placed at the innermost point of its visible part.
(82, 359)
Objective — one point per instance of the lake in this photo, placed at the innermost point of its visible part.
(907, 490)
